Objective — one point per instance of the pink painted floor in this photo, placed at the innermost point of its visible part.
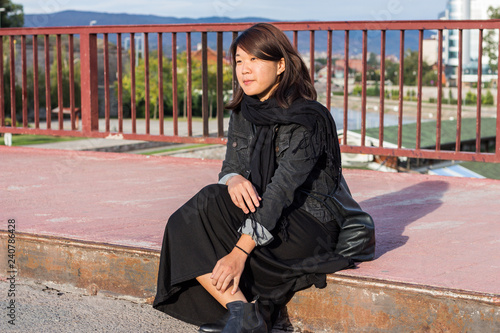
(431, 230)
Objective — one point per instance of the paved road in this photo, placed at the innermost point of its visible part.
(41, 309)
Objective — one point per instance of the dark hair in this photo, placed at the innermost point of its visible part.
(267, 42)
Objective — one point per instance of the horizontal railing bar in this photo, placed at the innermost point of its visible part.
(121, 136)
(287, 26)
(422, 153)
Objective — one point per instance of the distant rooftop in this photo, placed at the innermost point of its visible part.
(448, 137)
(428, 132)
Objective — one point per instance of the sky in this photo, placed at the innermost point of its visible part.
(286, 10)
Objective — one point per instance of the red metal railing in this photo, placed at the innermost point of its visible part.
(177, 129)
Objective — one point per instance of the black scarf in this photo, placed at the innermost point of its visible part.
(310, 114)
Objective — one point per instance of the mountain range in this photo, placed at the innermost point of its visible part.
(84, 18)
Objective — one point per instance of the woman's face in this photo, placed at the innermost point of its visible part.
(257, 77)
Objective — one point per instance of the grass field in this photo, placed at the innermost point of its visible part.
(24, 139)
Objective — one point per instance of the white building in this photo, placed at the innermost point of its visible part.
(430, 50)
(466, 10)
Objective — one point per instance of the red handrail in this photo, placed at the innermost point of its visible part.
(95, 64)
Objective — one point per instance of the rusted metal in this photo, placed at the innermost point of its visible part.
(124, 136)
(72, 82)
(440, 90)
(24, 88)
(12, 82)
(419, 87)
(479, 86)
(95, 267)
(422, 153)
(347, 304)
(401, 85)
(48, 108)
(204, 83)
(220, 86)
(133, 106)
(2, 96)
(146, 80)
(497, 143)
(88, 69)
(346, 85)
(382, 89)
(189, 90)
(160, 82)
(288, 26)
(363, 88)
(329, 71)
(234, 83)
(90, 117)
(175, 109)
(107, 104)
(59, 82)
(119, 78)
(459, 90)
(311, 56)
(36, 104)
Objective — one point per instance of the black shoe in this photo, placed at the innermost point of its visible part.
(244, 318)
(216, 327)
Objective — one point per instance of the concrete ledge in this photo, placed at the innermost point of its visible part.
(369, 305)
(94, 267)
(346, 304)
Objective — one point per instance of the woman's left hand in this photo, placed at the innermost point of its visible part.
(228, 270)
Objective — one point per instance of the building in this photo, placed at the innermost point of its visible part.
(466, 10)
(430, 50)
(211, 56)
(354, 64)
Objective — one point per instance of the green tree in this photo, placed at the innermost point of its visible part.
(6, 92)
(41, 83)
(53, 82)
(391, 71)
(12, 16)
(470, 98)
(430, 78)
(491, 46)
(140, 87)
(411, 68)
(196, 84)
(372, 60)
(487, 99)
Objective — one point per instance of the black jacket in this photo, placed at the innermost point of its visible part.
(301, 179)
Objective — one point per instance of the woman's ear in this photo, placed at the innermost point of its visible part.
(281, 66)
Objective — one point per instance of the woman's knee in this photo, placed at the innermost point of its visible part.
(212, 191)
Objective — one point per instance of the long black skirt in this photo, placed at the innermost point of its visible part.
(205, 229)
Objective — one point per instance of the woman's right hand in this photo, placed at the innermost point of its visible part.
(243, 193)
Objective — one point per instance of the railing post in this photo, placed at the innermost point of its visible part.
(497, 143)
(88, 70)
